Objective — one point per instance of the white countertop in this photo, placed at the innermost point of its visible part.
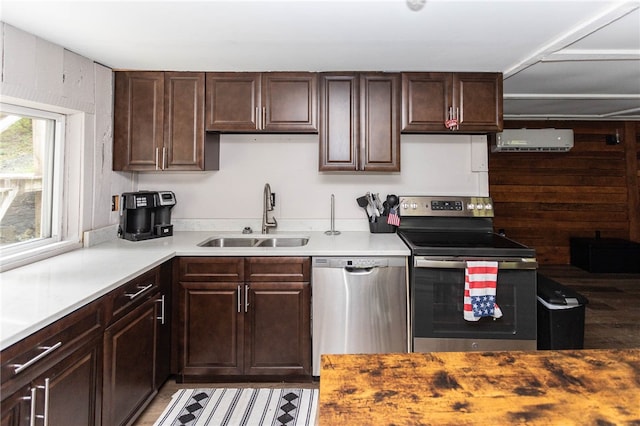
(36, 295)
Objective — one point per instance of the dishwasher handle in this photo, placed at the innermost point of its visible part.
(359, 271)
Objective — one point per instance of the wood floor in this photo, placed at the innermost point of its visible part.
(612, 320)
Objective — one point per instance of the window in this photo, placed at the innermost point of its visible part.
(31, 164)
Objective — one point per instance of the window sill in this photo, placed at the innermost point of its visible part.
(36, 254)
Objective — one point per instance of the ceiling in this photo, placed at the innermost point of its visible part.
(561, 59)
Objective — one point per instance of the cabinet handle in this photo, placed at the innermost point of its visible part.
(32, 406)
(239, 302)
(47, 351)
(142, 290)
(246, 298)
(257, 118)
(457, 118)
(164, 156)
(157, 149)
(161, 317)
(264, 117)
(45, 415)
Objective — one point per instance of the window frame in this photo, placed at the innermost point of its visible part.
(53, 181)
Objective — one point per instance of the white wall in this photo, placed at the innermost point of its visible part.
(39, 74)
(431, 165)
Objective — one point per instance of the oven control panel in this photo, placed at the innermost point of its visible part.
(421, 205)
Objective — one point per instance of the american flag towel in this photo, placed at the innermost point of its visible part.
(480, 290)
(393, 218)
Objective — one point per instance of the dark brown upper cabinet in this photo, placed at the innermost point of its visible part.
(430, 99)
(359, 122)
(159, 122)
(276, 102)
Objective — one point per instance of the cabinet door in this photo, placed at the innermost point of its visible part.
(73, 385)
(289, 102)
(138, 120)
(183, 147)
(426, 99)
(380, 122)
(129, 367)
(233, 102)
(16, 409)
(277, 335)
(66, 393)
(479, 99)
(211, 324)
(339, 115)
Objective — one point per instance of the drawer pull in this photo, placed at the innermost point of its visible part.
(142, 290)
(47, 351)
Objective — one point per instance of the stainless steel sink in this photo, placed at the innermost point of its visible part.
(228, 242)
(254, 242)
(283, 242)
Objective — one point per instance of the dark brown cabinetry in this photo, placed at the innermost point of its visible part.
(129, 371)
(131, 348)
(67, 387)
(76, 372)
(244, 316)
(53, 376)
(359, 122)
(277, 102)
(159, 122)
(430, 99)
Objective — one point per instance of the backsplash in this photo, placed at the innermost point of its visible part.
(431, 164)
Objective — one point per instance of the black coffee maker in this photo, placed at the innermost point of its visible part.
(146, 214)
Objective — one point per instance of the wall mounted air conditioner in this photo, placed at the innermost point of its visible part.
(543, 140)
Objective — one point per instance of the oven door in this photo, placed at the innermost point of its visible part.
(438, 300)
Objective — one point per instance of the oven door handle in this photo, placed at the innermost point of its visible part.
(523, 263)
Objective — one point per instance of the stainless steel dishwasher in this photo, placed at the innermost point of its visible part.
(359, 306)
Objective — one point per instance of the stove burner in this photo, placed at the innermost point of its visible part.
(454, 226)
(463, 244)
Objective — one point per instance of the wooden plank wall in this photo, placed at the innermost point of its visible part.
(543, 199)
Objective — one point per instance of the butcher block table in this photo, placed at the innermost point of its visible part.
(577, 387)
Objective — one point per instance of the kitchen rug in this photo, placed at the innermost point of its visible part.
(241, 407)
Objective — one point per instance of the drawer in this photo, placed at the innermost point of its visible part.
(133, 293)
(217, 269)
(291, 269)
(38, 352)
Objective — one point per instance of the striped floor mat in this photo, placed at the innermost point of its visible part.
(241, 407)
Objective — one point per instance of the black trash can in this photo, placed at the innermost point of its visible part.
(560, 316)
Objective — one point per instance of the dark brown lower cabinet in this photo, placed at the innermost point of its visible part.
(230, 326)
(129, 370)
(77, 372)
(63, 395)
(276, 335)
(53, 376)
(211, 325)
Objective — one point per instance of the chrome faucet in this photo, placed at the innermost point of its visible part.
(267, 206)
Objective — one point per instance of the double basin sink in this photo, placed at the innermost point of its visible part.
(253, 241)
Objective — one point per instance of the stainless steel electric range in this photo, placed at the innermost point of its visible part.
(446, 234)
